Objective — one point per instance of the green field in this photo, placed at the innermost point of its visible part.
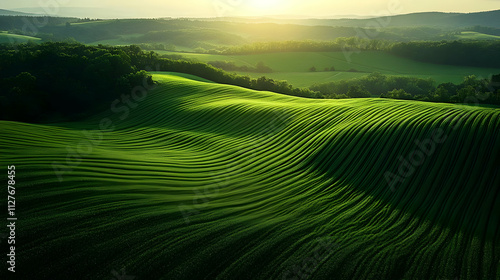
(208, 181)
(470, 35)
(14, 38)
(294, 67)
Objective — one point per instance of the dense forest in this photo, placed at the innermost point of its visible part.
(62, 81)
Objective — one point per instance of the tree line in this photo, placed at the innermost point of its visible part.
(339, 44)
(485, 91)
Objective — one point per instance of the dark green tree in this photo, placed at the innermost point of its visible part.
(356, 91)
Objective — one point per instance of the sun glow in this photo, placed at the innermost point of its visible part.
(265, 5)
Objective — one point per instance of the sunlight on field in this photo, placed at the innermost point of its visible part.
(251, 139)
(280, 172)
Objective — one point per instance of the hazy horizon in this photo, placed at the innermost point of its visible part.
(255, 8)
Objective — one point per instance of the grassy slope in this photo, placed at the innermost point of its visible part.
(469, 35)
(263, 176)
(14, 38)
(294, 67)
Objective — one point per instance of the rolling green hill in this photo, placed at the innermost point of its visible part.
(14, 38)
(294, 66)
(470, 35)
(204, 181)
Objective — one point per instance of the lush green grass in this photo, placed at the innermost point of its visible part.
(162, 76)
(14, 38)
(208, 181)
(294, 67)
(470, 35)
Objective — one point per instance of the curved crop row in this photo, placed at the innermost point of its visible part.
(205, 181)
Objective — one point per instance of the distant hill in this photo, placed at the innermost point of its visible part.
(190, 34)
(428, 19)
(13, 13)
(18, 22)
(85, 12)
(431, 19)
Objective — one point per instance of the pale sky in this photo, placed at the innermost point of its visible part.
(214, 8)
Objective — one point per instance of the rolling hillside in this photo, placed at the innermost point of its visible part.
(203, 181)
(15, 38)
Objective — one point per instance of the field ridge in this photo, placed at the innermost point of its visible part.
(242, 184)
